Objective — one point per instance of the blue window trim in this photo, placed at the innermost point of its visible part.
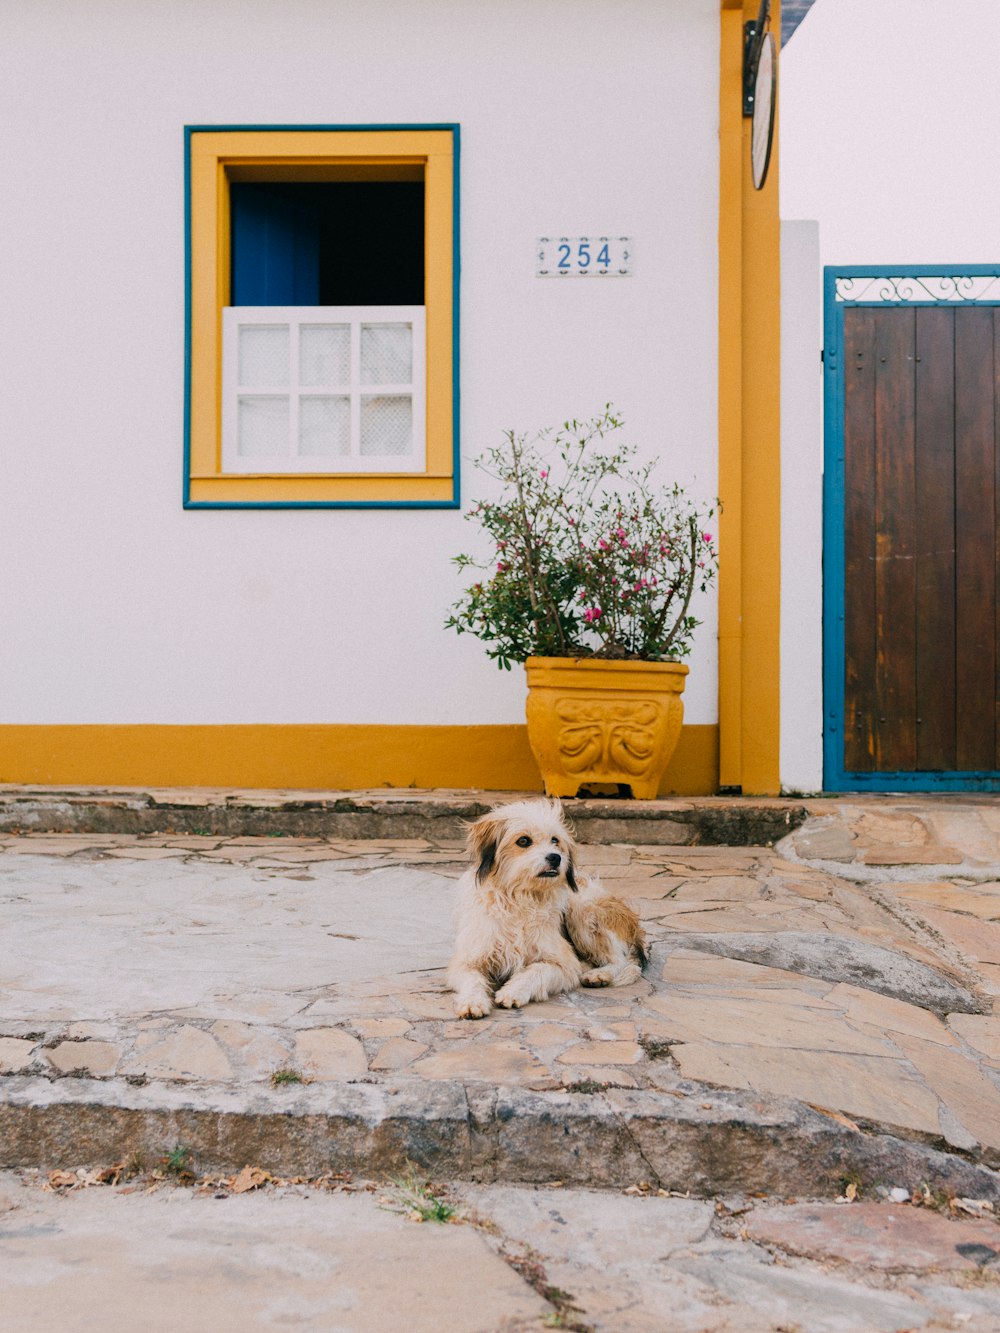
(455, 501)
(835, 777)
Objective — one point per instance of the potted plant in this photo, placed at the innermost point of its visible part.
(588, 582)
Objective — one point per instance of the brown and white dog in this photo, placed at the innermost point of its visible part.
(529, 925)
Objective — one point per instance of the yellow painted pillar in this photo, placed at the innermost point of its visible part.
(749, 435)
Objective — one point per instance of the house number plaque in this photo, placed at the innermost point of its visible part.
(583, 256)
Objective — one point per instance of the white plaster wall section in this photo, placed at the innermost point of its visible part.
(574, 115)
(887, 125)
(801, 751)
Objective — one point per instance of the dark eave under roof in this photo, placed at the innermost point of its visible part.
(792, 14)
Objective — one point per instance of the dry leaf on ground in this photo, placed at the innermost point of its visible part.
(250, 1178)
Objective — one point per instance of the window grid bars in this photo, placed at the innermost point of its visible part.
(295, 318)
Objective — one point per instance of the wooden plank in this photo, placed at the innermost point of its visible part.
(935, 537)
(975, 555)
(895, 533)
(859, 540)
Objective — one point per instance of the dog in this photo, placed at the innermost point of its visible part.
(528, 924)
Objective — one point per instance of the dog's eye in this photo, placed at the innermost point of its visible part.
(524, 842)
(556, 841)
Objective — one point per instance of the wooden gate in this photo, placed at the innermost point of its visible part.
(911, 550)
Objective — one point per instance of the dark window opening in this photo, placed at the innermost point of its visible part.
(327, 243)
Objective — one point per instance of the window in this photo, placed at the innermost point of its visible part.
(322, 317)
(323, 389)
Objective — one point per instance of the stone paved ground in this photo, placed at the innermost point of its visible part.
(853, 968)
(350, 1256)
(807, 1004)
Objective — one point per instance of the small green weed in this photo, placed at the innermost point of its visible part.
(414, 1196)
(177, 1162)
(657, 1049)
(282, 1077)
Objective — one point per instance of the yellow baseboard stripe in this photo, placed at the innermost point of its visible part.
(326, 757)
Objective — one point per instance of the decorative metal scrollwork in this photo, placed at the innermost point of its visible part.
(935, 289)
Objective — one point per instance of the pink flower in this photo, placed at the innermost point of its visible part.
(591, 614)
(544, 473)
(706, 536)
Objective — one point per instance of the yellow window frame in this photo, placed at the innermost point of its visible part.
(219, 155)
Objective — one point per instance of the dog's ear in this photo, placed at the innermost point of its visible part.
(484, 837)
(570, 848)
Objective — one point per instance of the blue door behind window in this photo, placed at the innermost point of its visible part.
(275, 246)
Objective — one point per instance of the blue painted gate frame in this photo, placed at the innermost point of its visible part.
(867, 285)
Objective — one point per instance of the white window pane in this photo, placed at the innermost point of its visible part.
(263, 428)
(264, 356)
(386, 425)
(324, 427)
(386, 353)
(325, 355)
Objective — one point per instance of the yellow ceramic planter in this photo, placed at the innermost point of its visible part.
(591, 720)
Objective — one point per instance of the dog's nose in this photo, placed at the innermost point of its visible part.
(554, 859)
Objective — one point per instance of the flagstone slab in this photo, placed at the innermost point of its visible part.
(967, 830)
(397, 1052)
(982, 901)
(496, 1062)
(881, 1013)
(602, 1053)
(693, 965)
(894, 1239)
(824, 840)
(834, 958)
(93, 1057)
(980, 1032)
(15, 1054)
(971, 1096)
(329, 1053)
(862, 1086)
(187, 1053)
(763, 1023)
(183, 934)
(979, 940)
(932, 855)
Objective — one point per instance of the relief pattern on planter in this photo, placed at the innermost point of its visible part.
(604, 737)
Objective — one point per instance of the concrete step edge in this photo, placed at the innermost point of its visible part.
(712, 1141)
(707, 821)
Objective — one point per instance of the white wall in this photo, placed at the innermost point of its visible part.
(116, 605)
(801, 757)
(889, 111)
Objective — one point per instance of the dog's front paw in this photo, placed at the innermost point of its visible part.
(473, 1006)
(513, 995)
(598, 976)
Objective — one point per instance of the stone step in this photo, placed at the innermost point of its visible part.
(708, 1141)
(388, 813)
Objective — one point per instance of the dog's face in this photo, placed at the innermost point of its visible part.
(524, 846)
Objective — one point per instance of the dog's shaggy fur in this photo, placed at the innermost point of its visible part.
(529, 925)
